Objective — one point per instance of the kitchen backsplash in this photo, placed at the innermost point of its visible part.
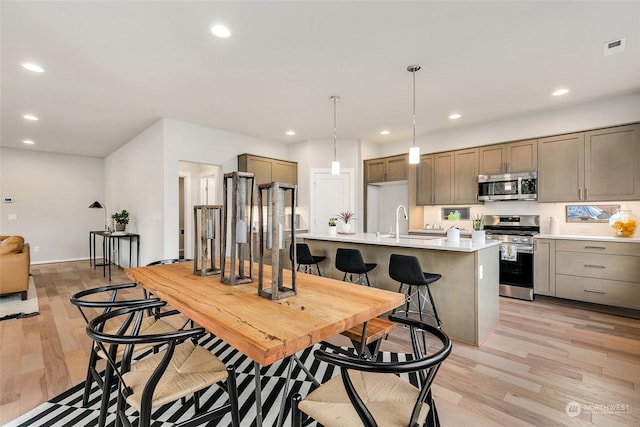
(433, 216)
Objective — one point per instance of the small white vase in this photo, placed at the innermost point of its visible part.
(346, 228)
(478, 236)
(333, 230)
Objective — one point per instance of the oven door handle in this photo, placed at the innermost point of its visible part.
(527, 249)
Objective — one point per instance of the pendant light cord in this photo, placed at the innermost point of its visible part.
(414, 107)
(335, 155)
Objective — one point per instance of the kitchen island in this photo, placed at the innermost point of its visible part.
(466, 296)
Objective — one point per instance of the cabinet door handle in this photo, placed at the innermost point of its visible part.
(595, 247)
(594, 266)
(586, 194)
(579, 193)
(595, 291)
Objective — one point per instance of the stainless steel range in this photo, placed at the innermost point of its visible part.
(516, 252)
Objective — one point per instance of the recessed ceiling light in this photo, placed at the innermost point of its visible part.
(30, 117)
(455, 116)
(33, 67)
(384, 132)
(560, 92)
(290, 133)
(220, 31)
(28, 141)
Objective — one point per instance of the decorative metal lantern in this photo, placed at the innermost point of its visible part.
(277, 195)
(206, 220)
(236, 227)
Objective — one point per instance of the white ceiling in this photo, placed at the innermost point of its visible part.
(115, 67)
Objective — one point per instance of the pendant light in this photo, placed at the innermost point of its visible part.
(335, 165)
(414, 151)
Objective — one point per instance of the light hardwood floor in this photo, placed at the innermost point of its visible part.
(542, 356)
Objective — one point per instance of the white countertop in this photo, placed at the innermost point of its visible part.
(436, 232)
(435, 243)
(634, 239)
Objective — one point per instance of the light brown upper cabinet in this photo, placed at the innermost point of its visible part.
(268, 170)
(384, 169)
(521, 156)
(447, 178)
(425, 194)
(443, 176)
(466, 176)
(600, 165)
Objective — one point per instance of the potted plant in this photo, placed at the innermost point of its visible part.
(121, 219)
(478, 234)
(346, 217)
(333, 226)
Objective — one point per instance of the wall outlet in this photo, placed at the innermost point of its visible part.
(13, 216)
(36, 249)
(480, 272)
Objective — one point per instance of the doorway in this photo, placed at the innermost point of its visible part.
(330, 195)
(198, 184)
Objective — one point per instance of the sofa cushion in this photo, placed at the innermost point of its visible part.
(13, 244)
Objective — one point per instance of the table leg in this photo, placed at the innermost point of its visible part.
(104, 255)
(109, 256)
(256, 370)
(285, 392)
(130, 247)
(90, 253)
(283, 402)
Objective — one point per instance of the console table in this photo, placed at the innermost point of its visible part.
(108, 238)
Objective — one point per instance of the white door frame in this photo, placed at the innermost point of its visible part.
(188, 215)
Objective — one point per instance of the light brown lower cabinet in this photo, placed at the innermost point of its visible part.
(599, 272)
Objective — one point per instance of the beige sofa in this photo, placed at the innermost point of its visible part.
(14, 266)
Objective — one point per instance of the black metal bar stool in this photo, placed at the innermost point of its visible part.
(304, 258)
(349, 261)
(406, 269)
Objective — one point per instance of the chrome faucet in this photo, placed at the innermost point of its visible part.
(404, 215)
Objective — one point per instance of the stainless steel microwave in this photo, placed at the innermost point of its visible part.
(508, 186)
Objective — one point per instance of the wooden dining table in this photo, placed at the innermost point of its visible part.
(266, 330)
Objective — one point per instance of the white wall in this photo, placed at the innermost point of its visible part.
(135, 181)
(195, 143)
(318, 154)
(52, 193)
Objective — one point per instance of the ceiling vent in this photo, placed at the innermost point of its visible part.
(614, 46)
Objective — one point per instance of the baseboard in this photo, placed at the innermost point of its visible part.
(619, 311)
(59, 260)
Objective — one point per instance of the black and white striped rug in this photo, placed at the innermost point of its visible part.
(66, 409)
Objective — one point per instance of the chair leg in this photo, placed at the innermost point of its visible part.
(232, 390)
(421, 312)
(296, 415)
(318, 267)
(366, 276)
(400, 292)
(433, 305)
(196, 402)
(106, 393)
(407, 301)
(89, 381)
(432, 418)
(344, 278)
